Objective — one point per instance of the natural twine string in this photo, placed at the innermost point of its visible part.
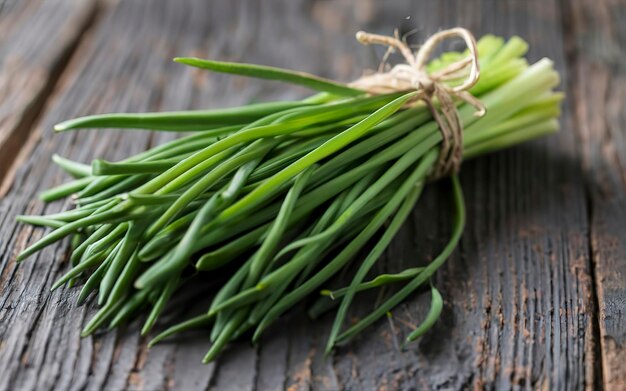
(413, 76)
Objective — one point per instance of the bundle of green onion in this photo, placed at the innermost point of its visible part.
(270, 201)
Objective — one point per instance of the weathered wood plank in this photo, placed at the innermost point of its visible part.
(36, 39)
(120, 67)
(519, 303)
(597, 38)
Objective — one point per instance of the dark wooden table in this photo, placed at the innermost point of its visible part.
(535, 298)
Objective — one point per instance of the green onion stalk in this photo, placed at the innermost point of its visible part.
(270, 201)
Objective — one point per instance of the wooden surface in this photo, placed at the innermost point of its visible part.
(535, 298)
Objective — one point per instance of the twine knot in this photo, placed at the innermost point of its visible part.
(413, 76)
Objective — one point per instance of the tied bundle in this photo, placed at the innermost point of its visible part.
(270, 203)
(414, 76)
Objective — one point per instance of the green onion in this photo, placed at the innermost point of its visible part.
(272, 202)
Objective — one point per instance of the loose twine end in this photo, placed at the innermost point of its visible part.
(413, 76)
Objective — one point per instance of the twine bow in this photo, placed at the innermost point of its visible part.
(413, 76)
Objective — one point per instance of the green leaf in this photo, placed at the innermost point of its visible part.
(436, 306)
(271, 73)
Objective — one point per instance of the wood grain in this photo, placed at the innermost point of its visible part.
(598, 84)
(541, 254)
(38, 37)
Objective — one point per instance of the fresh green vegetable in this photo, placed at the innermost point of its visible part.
(271, 202)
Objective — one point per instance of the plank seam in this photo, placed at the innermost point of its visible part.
(571, 64)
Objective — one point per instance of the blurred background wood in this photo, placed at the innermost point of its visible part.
(535, 296)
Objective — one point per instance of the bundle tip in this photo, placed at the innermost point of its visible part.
(81, 299)
(139, 284)
(61, 126)
(57, 285)
(21, 257)
(185, 60)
